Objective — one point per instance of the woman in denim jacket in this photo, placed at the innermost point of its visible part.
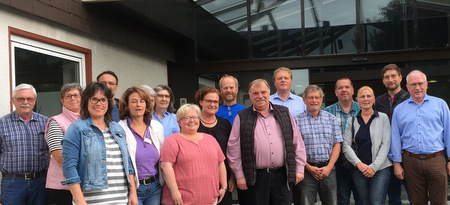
(96, 163)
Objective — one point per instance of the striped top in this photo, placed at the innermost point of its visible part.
(117, 190)
(54, 136)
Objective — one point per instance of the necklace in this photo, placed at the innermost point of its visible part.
(208, 123)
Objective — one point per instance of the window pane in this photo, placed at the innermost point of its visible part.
(433, 23)
(330, 26)
(47, 74)
(387, 24)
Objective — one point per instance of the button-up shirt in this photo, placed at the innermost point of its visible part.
(341, 115)
(319, 135)
(22, 144)
(420, 129)
(294, 103)
(269, 145)
(169, 123)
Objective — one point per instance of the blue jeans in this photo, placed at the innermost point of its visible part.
(372, 190)
(327, 189)
(345, 186)
(20, 191)
(149, 194)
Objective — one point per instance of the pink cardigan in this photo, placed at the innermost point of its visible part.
(55, 174)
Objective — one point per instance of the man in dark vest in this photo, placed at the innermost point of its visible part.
(265, 150)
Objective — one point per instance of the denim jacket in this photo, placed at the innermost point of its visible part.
(84, 154)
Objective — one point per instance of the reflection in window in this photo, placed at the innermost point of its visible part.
(330, 26)
(387, 25)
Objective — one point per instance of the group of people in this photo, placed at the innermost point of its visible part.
(282, 149)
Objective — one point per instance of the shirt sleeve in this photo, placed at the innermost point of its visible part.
(300, 151)
(396, 145)
(446, 125)
(54, 136)
(234, 149)
(170, 150)
(336, 129)
(71, 144)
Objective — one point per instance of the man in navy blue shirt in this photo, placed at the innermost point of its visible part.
(110, 79)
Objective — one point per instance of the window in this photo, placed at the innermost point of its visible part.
(46, 66)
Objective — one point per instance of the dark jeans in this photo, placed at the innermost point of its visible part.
(345, 186)
(269, 189)
(20, 191)
(59, 197)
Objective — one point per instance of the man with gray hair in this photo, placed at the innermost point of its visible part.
(420, 132)
(322, 136)
(265, 150)
(23, 151)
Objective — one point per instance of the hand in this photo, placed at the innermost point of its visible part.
(448, 170)
(221, 194)
(325, 172)
(314, 171)
(231, 184)
(241, 183)
(365, 169)
(132, 199)
(299, 177)
(398, 170)
(176, 198)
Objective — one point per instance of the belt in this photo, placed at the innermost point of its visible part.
(148, 180)
(422, 156)
(26, 176)
(318, 164)
(271, 170)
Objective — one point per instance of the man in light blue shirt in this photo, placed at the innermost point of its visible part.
(282, 79)
(420, 131)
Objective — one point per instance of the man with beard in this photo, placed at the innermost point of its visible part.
(392, 77)
(282, 79)
(344, 109)
(265, 150)
(229, 89)
(23, 151)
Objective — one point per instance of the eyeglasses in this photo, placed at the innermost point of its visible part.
(163, 96)
(109, 83)
(416, 84)
(95, 100)
(229, 111)
(195, 118)
(212, 101)
(76, 96)
(313, 97)
(23, 99)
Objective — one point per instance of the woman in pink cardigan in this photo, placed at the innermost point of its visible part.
(55, 129)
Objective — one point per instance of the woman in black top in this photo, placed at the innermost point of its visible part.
(220, 128)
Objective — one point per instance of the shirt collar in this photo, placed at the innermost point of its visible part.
(278, 96)
(425, 98)
(17, 117)
(353, 108)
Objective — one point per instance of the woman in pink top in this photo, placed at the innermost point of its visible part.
(192, 163)
(55, 129)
